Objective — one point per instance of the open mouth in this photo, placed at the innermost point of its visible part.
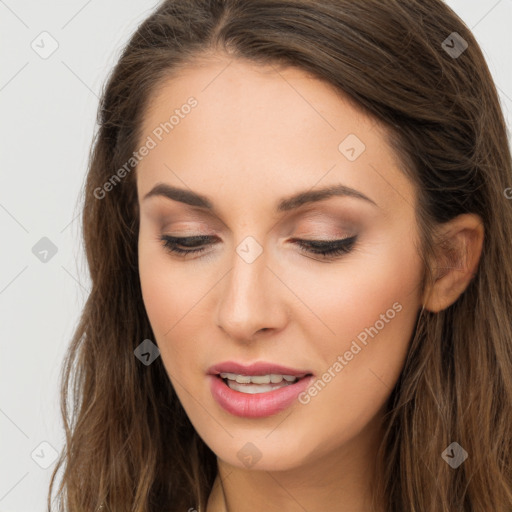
(258, 390)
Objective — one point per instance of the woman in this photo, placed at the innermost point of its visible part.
(298, 233)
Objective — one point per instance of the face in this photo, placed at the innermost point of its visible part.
(261, 287)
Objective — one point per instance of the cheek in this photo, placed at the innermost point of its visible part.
(174, 295)
(350, 295)
(166, 291)
(165, 306)
(372, 309)
(158, 290)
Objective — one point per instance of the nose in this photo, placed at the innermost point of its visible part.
(251, 300)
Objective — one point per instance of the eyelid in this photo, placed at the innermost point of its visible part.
(325, 250)
(341, 216)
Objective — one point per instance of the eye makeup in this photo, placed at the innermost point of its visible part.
(193, 245)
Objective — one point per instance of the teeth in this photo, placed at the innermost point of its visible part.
(263, 379)
(254, 389)
(258, 379)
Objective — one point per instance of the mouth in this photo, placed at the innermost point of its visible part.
(256, 390)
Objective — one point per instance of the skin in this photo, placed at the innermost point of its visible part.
(258, 135)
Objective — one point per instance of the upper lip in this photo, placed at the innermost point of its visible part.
(259, 368)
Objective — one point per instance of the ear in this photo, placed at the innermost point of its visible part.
(460, 242)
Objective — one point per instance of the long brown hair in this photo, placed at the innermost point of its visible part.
(129, 443)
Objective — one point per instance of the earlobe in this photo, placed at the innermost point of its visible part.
(458, 254)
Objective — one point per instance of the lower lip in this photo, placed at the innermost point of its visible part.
(257, 405)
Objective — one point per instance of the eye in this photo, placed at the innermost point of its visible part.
(184, 246)
(173, 243)
(327, 248)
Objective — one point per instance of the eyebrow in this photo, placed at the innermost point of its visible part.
(286, 204)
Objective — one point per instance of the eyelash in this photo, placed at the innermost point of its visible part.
(325, 249)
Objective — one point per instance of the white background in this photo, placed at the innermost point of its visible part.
(48, 113)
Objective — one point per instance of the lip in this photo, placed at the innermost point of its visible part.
(260, 368)
(258, 405)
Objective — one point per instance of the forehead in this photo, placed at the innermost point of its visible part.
(255, 125)
(239, 95)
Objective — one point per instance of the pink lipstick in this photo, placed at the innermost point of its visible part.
(256, 390)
